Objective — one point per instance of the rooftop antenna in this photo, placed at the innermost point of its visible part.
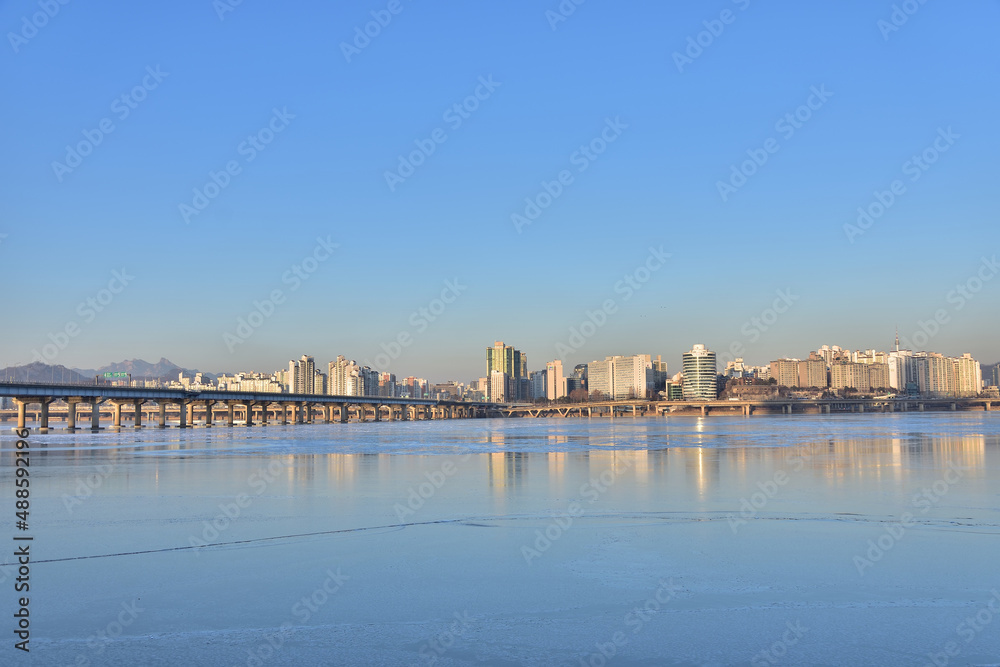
(897, 338)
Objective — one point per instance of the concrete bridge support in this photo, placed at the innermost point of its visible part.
(43, 415)
(95, 415)
(263, 414)
(208, 413)
(249, 407)
(161, 421)
(138, 414)
(71, 414)
(182, 410)
(345, 414)
(230, 414)
(22, 414)
(116, 420)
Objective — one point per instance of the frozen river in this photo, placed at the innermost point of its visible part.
(805, 540)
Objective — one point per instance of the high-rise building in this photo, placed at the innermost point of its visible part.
(387, 384)
(995, 376)
(938, 375)
(414, 387)
(620, 377)
(812, 373)
(346, 378)
(599, 377)
(513, 363)
(301, 376)
(339, 374)
(902, 370)
(537, 384)
(656, 377)
(699, 374)
(555, 382)
(735, 368)
(968, 376)
(499, 384)
(256, 382)
(864, 377)
(786, 372)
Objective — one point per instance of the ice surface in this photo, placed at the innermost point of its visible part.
(680, 541)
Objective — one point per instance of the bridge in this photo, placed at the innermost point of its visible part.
(202, 408)
(643, 408)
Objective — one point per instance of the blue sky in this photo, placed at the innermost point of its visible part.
(887, 96)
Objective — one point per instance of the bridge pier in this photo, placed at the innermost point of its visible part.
(230, 413)
(137, 423)
(954, 406)
(95, 415)
(22, 414)
(71, 414)
(263, 413)
(208, 413)
(986, 406)
(116, 419)
(249, 410)
(162, 420)
(182, 414)
(43, 415)
(344, 413)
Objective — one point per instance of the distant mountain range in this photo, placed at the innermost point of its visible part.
(39, 372)
(164, 369)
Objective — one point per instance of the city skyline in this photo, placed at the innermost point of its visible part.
(674, 367)
(231, 181)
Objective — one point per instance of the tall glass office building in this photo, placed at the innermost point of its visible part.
(699, 375)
